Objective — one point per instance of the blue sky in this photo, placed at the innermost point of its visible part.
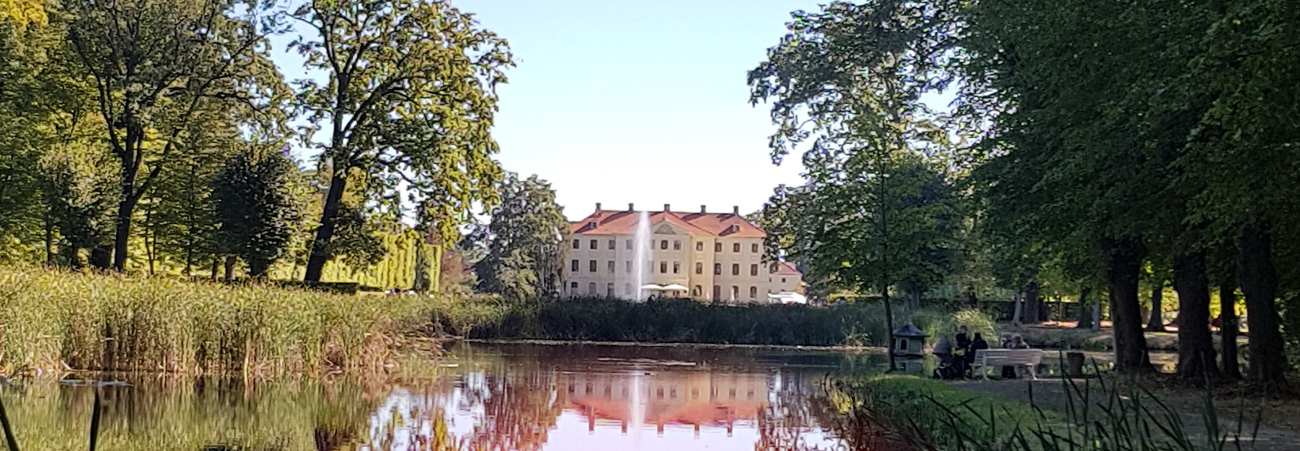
(616, 101)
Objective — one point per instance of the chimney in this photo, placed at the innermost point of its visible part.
(703, 209)
(735, 210)
(597, 206)
(667, 208)
(629, 207)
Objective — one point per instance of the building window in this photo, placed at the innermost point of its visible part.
(677, 267)
(609, 289)
(735, 269)
(753, 248)
(697, 291)
(717, 269)
(735, 247)
(575, 244)
(717, 293)
(699, 268)
(610, 265)
(677, 245)
(717, 247)
(735, 292)
(627, 266)
(573, 266)
(699, 245)
(663, 244)
(772, 268)
(627, 289)
(782, 280)
(663, 267)
(591, 266)
(753, 270)
(627, 244)
(753, 292)
(611, 245)
(591, 288)
(573, 288)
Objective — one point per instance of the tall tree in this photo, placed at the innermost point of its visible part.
(409, 104)
(255, 207)
(155, 65)
(847, 79)
(525, 251)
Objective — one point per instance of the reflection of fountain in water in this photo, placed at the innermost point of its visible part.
(641, 255)
(637, 406)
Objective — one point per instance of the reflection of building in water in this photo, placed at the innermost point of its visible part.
(691, 398)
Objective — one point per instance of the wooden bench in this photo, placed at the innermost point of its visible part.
(1027, 358)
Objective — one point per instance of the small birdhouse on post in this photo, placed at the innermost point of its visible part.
(909, 342)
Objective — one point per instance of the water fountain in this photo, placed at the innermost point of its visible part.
(641, 255)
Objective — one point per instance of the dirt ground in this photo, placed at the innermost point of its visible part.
(1279, 427)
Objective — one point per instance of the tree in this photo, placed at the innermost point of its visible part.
(525, 252)
(255, 207)
(409, 103)
(847, 79)
(155, 65)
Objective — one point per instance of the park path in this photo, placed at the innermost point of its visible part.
(1279, 431)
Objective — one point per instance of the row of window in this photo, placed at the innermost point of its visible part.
(663, 244)
(575, 266)
(695, 292)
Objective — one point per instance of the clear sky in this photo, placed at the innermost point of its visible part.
(619, 101)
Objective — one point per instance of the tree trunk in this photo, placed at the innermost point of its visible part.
(1096, 316)
(150, 237)
(1228, 328)
(49, 240)
(1195, 344)
(320, 247)
(889, 326)
(1085, 310)
(1267, 360)
(913, 302)
(1156, 322)
(125, 209)
(1033, 306)
(1015, 309)
(1122, 269)
(230, 267)
(216, 261)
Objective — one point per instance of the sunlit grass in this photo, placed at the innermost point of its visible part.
(53, 321)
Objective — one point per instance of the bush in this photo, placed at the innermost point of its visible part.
(111, 323)
(664, 321)
(943, 323)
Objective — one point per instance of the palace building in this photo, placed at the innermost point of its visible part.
(705, 256)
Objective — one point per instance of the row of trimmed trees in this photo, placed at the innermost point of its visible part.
(1088, 142)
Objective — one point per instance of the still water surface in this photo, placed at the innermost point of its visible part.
(492, 397)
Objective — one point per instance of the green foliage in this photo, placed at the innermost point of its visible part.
(410, 101)
(183, 58)
(938, 322)
(525, 252)
(104, 323)
(254, 204)
(668, 321)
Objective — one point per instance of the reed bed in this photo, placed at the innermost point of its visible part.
(55, 321)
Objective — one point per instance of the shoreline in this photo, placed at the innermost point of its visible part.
(870, 350)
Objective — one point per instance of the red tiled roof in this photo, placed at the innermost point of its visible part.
(787, 269)
(623, 222)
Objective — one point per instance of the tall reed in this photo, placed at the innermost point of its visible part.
(54, 320)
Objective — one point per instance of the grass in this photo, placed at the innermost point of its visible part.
(51, 321)
(932, 415)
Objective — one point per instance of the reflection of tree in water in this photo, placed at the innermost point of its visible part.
(515, 406)
(804, 405)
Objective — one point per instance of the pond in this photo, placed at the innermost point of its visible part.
(479, 396)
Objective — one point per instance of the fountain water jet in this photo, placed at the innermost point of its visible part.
(641, 254)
